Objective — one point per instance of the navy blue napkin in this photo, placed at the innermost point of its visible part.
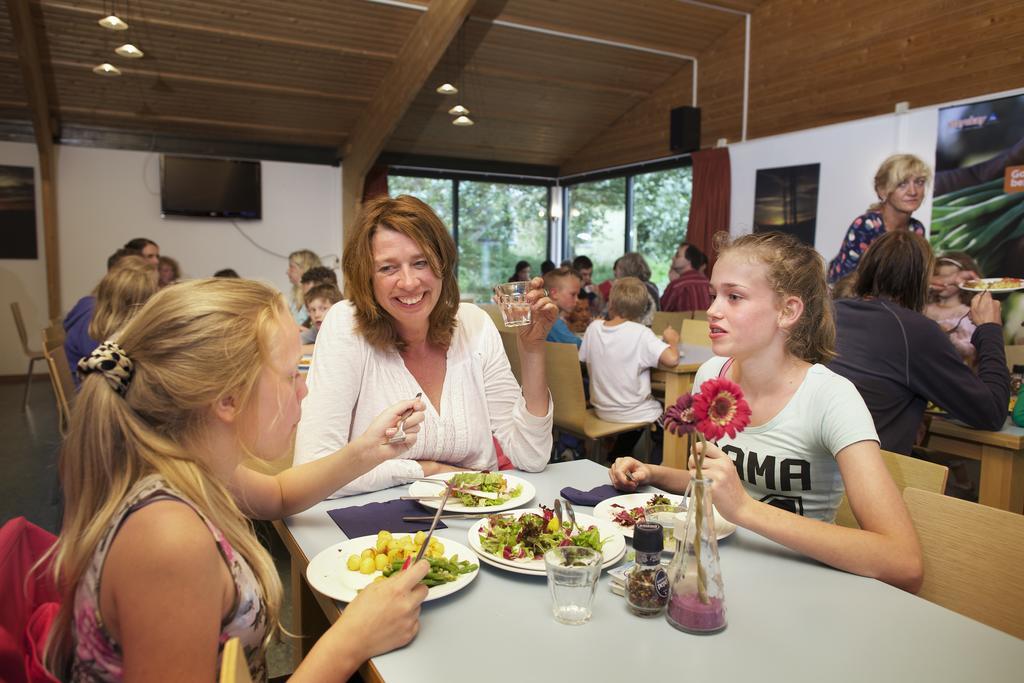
(368, 519)
(591, 497)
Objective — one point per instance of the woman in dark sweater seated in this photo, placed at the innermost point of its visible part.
(899, 359)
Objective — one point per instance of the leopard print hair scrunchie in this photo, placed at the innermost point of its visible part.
(113, 362)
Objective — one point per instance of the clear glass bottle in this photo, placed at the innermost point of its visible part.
(696, 601)
(647, 582)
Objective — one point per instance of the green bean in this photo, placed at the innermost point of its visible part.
(973, 198)
(967, 191)
(970, 212)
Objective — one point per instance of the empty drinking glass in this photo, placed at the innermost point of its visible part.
(572, 578)
(511, 300)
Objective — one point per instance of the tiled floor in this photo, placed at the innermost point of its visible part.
(28, 483)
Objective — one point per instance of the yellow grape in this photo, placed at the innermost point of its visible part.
(367, 566)
(353, 563)
(381, 562)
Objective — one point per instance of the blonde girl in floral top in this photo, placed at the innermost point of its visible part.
(157, 558)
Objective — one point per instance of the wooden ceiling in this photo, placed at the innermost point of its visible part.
(541, 77)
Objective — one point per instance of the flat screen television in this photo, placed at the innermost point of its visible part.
(214, 188)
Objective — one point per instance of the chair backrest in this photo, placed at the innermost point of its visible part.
(233, 667)
(906, 471)
(972, 558)
(1014, 355)
(663, 319)
(508, 340)
(492, 310)
(565, 380)
(19, 322)
(60, 373)
(696, 332)
(700, 315)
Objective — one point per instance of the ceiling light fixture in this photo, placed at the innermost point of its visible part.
(113, 23)
(463, 121)
(106, 69)
(458, 110)
(447, 89)
(130, 51)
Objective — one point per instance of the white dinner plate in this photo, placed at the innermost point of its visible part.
(613, 550)
(603, 511)
(328, 573)
(994, 285)
(425, 488)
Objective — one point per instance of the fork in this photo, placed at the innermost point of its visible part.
(399, 436)
(426, 539)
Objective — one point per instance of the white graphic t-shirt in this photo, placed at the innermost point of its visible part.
(789, 461)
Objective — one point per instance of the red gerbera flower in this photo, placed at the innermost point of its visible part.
(719, 409)
(679, 418)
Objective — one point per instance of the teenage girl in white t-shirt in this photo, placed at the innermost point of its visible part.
(808, 436)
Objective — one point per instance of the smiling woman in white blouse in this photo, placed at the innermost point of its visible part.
(402, 331)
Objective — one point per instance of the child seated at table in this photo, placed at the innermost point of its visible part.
(948, 305)
(158, 564)
(563, 285)
(619, 353)
(318, 301)
(810, 434)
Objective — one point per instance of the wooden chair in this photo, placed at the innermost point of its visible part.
(508, 340)
(233, 666)
(972, 558)
(1014, 354)
(33, 356)
(906, 472)
(696, 332)
(492, 310)
(700, 315)
(565, 380)
(60, 373)
(663, 319)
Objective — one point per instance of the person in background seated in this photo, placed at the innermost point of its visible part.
(619, 353)
(689, 289)
(590, 302)
(521, 273)
(149, 249)
(116, 257)
(633, 264)
(157, 561)
(227, 272)
(563, 287)
(298, 263)
(402, 331)
(168, 270)
(546, 267)
(810, 435)
(899, 359)
(901, 183)
(948, 305)
(318, 301)
(120, 293)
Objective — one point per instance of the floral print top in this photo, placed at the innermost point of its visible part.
(98, 657)
(863, 231)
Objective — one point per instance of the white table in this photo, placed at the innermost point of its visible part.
(790, 619)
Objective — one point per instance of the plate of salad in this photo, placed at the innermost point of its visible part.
(628, 509)
(517, 541)
(452, 565)
(505, 491)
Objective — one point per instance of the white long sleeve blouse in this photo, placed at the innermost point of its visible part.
(350, 383)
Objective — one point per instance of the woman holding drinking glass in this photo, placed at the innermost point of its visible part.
(402, 331)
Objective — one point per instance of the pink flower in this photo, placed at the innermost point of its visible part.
(679, 418)
(719, 409)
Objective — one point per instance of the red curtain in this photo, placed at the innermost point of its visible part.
(709, 205)
(376, 182)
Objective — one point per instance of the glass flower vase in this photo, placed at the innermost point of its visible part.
(696, 593)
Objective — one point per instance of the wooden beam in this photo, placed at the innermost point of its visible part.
(423, 49)
(29, 56)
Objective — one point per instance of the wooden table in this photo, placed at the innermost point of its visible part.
(1001, 455)
(678, 381)
(790, 619)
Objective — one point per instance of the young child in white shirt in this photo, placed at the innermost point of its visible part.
(619, 353)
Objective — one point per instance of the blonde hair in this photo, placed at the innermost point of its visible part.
(629, 299)
(191, 345)
(120, 294)
(304, 259)
(417, 221)
(895, 170)
(794, 269)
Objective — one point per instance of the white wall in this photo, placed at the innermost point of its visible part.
(106, 197)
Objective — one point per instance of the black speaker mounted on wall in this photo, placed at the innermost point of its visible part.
(684, 129)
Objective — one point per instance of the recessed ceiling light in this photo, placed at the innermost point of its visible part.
(457, 110)
(106, 69)
(113, 23)
(447, 89)
(129, 50)
(463, 121)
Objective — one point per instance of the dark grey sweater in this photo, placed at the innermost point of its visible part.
(899, 360)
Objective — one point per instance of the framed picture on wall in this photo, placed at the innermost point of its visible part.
(18, 213)
(786, 200)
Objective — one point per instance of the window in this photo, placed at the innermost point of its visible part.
(499, 224)
(435, 192)
(596, 223)
(661, 209)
